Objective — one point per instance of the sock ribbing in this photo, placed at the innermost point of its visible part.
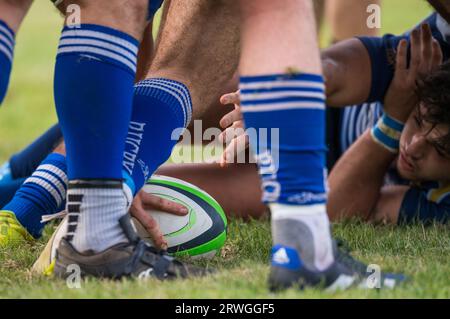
(43, 193)
(7, 43)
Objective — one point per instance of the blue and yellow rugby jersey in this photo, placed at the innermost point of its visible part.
(426, 203)
(382, 51)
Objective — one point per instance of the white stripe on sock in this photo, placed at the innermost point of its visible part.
(282, 84)
(99, 43)
(273, 107)
(102, 36)
(48, 187)
(171, 92)
(59, 186)
(9, 38)
(56, 170)
(6, 52)
(185, 93)
(280, 95)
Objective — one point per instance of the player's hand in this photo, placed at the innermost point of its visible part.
(144, 201)
(233, 136)
(426, 56)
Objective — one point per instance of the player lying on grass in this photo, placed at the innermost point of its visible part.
(424, 207)
(415, 126)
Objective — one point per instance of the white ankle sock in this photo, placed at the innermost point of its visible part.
(315, 218)
(94, 215)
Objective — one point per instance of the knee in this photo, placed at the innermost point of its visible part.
(127, 16)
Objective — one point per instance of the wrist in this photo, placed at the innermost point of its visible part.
(387, 133)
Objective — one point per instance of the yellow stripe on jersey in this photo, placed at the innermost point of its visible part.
(436, 195)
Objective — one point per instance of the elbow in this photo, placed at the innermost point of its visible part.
(331, 73)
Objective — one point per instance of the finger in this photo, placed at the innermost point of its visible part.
(415, 51)
(227, 135)
(161, 204)
(232, 132)
(230, 118)
(426, 44)
(402, 55)
(236, 147)
(230, 98)
(151, 226)
(438, 56)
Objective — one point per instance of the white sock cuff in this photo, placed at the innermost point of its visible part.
(282, 211)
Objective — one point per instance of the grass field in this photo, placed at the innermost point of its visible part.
(421, 253)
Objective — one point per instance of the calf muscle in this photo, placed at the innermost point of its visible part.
(199, 46)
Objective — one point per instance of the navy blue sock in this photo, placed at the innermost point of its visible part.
(41, 194)
(24, 163)
(7, 43)
(160, 107)
(8, 189)
(94, 79)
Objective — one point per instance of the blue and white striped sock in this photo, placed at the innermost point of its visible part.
(292, 166)
(7, 43)
(291, 160)
(42, 193)
(160, 107)
(94, 79)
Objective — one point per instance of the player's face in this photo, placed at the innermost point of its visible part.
(420, 157)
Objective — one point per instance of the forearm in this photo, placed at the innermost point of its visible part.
(356, 180)
(347, 71)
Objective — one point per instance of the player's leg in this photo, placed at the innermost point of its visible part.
(282, 88)
(8, 189)
(12, 13)
(25, 162)
(44, 192)
(189, 69)
(94, 78)
(348, 18)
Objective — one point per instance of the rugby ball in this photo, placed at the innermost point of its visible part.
(200, 234)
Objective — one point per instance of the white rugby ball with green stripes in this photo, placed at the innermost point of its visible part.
(201, 233)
